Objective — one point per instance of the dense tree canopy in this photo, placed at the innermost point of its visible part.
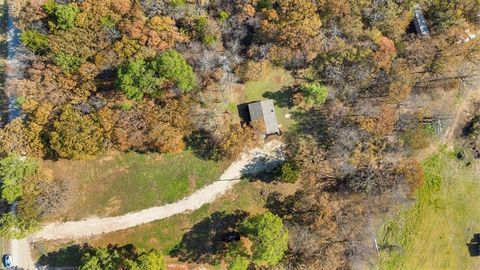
(173, 67)
(13, 172)
(127, 257)
(63, 15)
(165, 76)
(151, 76)
(14, 227)
(139, 78)
(269, 238)
(75, 135)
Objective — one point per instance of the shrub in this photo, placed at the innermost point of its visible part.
(76, 136)
(237, 256)
(149, 76)
(13, 172)
(264, 4)
(288, 172)
(269, 238)
(239, 263)
(412, 172)
(204, 32)
(417, 138)
(138, 78)
(126, 106)
(63, 15)
(35, 41)
(68, 63)
(314, 93)
(473, 127)
(254, 71)
(177, 3)
(15, 227)
(209, 39)
(235, 139)
(173, 67)
(224, 15)
(126, 257)
(20, 100)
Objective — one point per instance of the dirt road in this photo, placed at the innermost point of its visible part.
(95, 226)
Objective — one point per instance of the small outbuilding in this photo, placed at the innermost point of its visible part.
(261, 115)
(419, 21)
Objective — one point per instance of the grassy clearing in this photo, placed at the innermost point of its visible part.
(433, 233)
(275, 81)
(167, 233)
(121, 183)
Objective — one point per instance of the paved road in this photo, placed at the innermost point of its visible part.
(22, 257)
(254, 159)
(20, 249)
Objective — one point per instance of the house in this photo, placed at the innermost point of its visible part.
(263, 118)
(419, 21)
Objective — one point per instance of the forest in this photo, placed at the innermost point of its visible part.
(368, 97)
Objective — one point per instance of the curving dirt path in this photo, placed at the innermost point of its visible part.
(94, 226)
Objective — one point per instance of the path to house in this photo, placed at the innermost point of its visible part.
(95, 225)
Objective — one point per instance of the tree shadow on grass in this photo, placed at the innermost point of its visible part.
(263, 168)
(64, 257)
(311, 123)
(282, 98)
(204, 242)
(203, 145)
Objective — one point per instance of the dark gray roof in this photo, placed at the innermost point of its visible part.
(264, 111)
(419, 21)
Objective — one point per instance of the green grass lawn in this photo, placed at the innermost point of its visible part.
(121, 183)
(434, 231)
(166, 234)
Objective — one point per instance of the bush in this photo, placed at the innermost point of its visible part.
(64, 15)
(237, 256)
(76, 136)
(314, 93)
(138, 78)
(172, 66)
(204, 32)
(149, 76)
(13, 172)
(472, 129)
(224, 15)
(35, 41)
(235, 140)
(68, 63)
(288, 172)
(177, 3)
(115, 257)
(13, 227)
(239, 263)
(417, 138)
(412, 172)
(254, 71)
(269, 238)
(264, 4)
